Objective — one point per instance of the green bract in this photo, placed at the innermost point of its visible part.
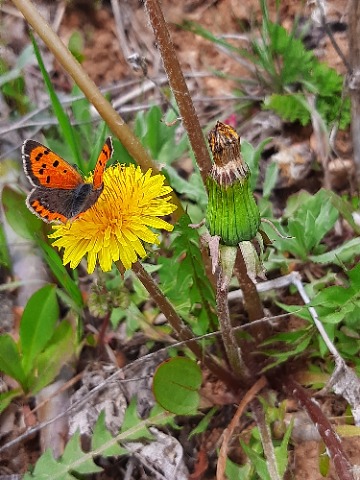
(232, 213)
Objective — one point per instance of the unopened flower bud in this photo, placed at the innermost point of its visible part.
(232, 213)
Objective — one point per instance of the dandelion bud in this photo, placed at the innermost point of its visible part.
(232, 213)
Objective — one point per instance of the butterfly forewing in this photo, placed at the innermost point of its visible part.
(102, 160)
(47, 169)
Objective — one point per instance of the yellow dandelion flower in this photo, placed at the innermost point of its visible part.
(114, 228)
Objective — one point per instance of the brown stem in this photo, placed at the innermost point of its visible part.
(252, 302)
(233, 351)
(183, 332)
(101, 337)
(179, 87)
(354, 79)
(330, 438)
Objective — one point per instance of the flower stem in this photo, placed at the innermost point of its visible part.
(179, 87)
(231, 345)
(252, 302)
(182, 331)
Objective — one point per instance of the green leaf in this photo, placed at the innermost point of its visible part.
(64, 122)
(326, 216)
(204, 422)
(7, 397)
(175, 385)
(237, 472)
(185, 280)
(340, 255)
(193, 188)
(252, 157)
(258, 461)
(53, 260)
(295, 244)
(75, 459)
(310, 236)
(173, 148)
(97, 145)
(10, 360)
(346, 210)
(47, 468)
(102, 437)
(81, 109)
(334, 317)
(5, 260)
(311, 217)
(281, 452)
(132, 421)
(21, 220)
(26, 57)
(354, 276)
(76, 45)
(59, 350)
(332, 297)
(289, 107)
(271, 176)
(153, 138)
(37, 324)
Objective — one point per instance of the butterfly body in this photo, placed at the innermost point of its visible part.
(59, 192)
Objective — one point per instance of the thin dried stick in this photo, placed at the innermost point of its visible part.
(265, 435)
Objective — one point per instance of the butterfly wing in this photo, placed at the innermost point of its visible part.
(100, 166)
(45, 168)
(49, 204)
(57, 204)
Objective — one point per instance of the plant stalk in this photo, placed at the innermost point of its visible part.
(179, 87)
(331, 440)
(182, 331)
(252, 302)
(354, 79)
(233, 350)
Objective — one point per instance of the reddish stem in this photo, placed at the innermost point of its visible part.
(329, 436)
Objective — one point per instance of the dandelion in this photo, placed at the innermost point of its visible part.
(116, 225)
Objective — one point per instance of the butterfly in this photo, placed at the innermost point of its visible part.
(60, 193)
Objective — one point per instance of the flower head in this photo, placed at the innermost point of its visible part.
(115, 226)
